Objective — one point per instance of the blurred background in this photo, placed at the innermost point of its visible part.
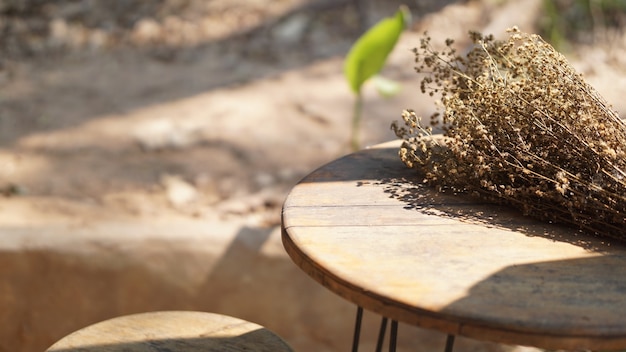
(146, 148)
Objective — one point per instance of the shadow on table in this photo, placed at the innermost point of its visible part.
(577, 298)
(471, 209)
(247, 341)
(382, 167)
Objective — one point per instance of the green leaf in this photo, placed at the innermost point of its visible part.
(369, 53)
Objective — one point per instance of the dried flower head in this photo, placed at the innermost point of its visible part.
(520, 126)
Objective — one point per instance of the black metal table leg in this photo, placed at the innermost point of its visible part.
(393, 336)
(449, 343)
(381, 335)
(357, 329)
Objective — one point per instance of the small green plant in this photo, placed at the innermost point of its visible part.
(368, 56)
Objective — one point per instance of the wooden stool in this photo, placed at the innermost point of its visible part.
(172, 331)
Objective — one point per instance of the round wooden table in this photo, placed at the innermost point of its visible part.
(367, 229)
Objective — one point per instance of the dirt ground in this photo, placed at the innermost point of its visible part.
(203, 109)
(208, 111)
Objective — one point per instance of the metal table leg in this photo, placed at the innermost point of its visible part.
(393, 334)
(449, 343)
(357, 329)
(381, 335)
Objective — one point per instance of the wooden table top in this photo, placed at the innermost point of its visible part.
(365, 228)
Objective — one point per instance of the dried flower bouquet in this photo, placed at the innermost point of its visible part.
(522, 127)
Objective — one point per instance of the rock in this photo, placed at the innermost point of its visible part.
(159, 134)
(264, 179)
(59, 32)
(179, 192)
(291, 30)
(146, 31)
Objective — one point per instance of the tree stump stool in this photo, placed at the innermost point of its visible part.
(172, 331)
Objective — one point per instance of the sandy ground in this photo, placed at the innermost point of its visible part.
(211, 128)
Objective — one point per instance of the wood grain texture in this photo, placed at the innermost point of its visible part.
(365, 227)
(172, 331)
